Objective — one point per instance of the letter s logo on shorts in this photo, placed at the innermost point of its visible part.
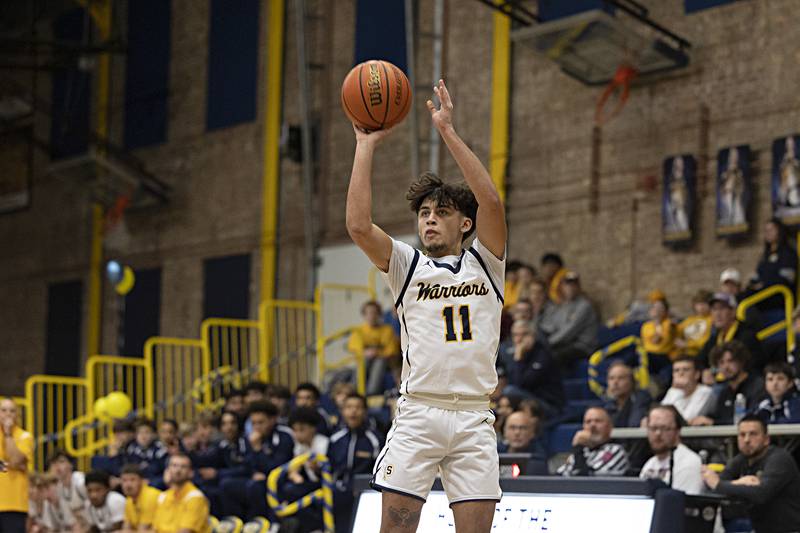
(388, 471)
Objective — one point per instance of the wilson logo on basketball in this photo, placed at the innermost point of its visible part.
(374, 85)
(398, 86)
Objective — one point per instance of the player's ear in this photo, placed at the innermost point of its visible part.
(466, 224)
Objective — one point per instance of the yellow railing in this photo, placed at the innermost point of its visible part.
(233, 343)
(290, 330)
(788, 307)
(176, 378)
(53, 401)
(177, 364)
(641, 373)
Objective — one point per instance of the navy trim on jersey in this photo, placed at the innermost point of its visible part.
(474, 252)
(475, 500)
(454, 269)
(381, 488)
(405, 326)
(408, 279)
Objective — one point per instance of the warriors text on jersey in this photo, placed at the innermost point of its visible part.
(449, 310)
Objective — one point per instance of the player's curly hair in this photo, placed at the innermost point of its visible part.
(455, 195)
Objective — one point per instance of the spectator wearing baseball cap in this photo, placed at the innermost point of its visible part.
(730, 281)
(571, 328)
(727, 328)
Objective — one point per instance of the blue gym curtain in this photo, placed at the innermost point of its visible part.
(147, 72)
(232, 63)
(142, 312)
(63, 343)
(697, 5)
(226, 287)
(381, 31)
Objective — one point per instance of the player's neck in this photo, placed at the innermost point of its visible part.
(437, 254)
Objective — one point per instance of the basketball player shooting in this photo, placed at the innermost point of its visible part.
(449, 301)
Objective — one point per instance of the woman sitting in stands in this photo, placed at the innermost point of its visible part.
(658, 336)
(778, 264)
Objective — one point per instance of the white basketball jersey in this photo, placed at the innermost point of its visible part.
(449, 310)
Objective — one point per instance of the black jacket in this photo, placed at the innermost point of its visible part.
(775, 503)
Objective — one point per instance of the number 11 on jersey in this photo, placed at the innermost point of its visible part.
(450, 330)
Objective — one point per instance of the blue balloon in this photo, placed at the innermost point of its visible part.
(114, 272)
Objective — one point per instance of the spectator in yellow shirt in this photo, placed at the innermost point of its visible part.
(182, 508)
(553, 272)
(375, 342)
(16, 454)
(141, 500)
(695, 330)
(658, 337)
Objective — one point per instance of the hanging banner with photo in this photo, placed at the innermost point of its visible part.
(678, 198)
(786, 179)
(733, 190)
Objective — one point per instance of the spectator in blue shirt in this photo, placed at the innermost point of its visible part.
(113, 461)
(148, 452)
(270, 447)
(782, 404)
(234, 448)
(520, 437)
(626, 404)
(352, 450)
(207, 460)
(531, 370)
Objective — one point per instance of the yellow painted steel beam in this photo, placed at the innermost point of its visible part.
(273, 84)
(501, 66)
(101, 15)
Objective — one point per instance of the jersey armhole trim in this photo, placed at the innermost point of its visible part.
(474, 252)
(411, 270)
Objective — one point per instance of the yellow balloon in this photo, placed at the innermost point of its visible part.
(100, 407)
(125, 285)
(118, 405)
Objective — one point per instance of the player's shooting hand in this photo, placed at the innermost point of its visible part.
(372, 138)
(442, 117)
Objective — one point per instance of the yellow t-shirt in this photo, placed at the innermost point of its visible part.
(552, 292)
(510, 294)
(142, 511)
(381, 337)
(695, 330)
(666, 330)
(186, 508)
(14, 483)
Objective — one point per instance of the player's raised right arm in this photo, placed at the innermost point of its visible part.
(367, 236)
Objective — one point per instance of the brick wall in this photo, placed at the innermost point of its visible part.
(744, 69)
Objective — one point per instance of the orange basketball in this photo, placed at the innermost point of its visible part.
(376, 95)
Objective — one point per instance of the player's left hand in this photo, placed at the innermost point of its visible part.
(442, 117)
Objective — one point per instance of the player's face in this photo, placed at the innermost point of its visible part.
(440, 228)
(752, 439)
(777, 384)
(131, 485)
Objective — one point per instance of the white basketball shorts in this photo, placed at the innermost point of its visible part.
(425, 441)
